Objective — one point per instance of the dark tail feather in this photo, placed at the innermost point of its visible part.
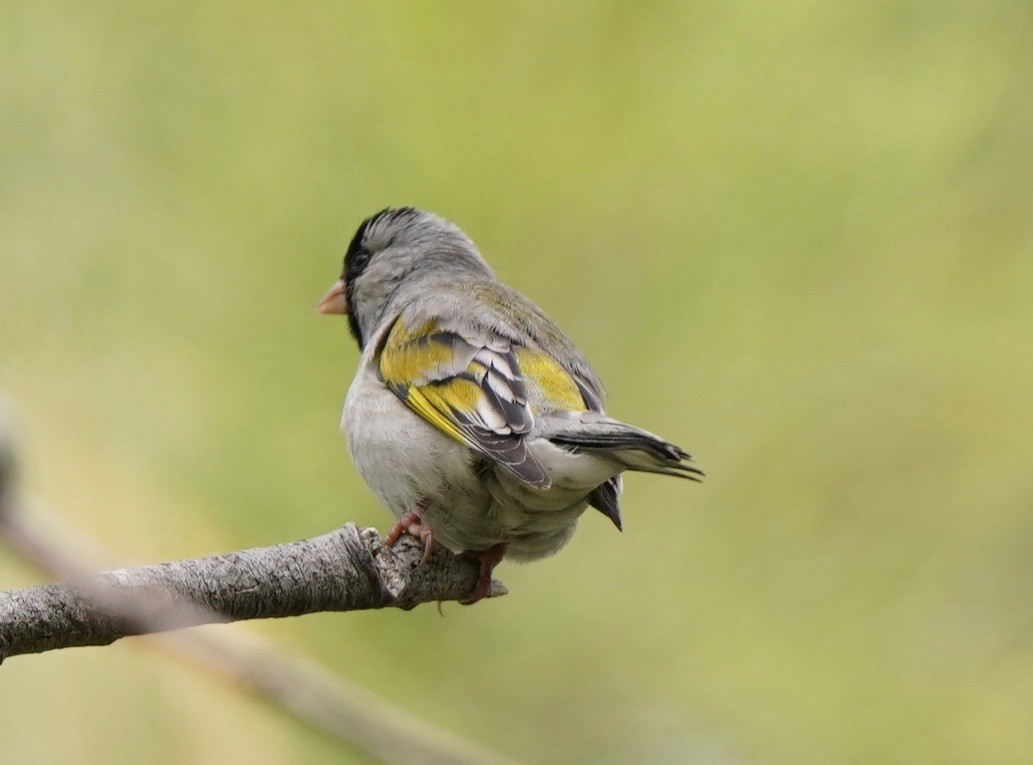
(635, 448)
(606, 499)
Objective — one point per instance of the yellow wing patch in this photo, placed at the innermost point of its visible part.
(419, 367)
(418, 402)
(556, 388)
(408, 356)
(458, 393)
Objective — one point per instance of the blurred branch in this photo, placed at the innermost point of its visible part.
(96, 609)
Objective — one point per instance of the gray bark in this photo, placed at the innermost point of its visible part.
(346, 570)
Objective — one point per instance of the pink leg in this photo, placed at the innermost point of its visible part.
(412, 523)
(488, 560)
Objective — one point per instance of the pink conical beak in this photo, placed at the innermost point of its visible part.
(334, 300)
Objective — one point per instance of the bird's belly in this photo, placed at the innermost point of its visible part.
(539, 523)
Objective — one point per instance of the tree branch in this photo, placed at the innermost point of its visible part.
(326, 703)
(348, 569)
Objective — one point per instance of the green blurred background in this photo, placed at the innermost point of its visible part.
(794, 237)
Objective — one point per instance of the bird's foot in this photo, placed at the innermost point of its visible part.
(412, 523)
(487, 560)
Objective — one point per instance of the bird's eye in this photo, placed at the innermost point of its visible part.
(355, 264)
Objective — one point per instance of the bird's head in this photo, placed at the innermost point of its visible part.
(393, 253)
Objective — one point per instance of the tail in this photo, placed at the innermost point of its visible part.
(632, 447)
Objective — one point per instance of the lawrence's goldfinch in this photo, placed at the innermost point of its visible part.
(472, 418)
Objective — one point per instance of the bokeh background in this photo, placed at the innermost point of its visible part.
(794, 237)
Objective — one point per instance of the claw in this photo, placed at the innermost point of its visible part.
(412, 523)
(427, 537)
(487, 560)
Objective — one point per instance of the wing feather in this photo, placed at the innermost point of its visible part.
(470, 389)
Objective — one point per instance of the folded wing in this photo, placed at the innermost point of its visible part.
(470, 388)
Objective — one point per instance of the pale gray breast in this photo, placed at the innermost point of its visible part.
(401, 457)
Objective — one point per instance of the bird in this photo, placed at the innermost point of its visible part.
(472, 418)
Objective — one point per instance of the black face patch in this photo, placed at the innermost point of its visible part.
(357, 260)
